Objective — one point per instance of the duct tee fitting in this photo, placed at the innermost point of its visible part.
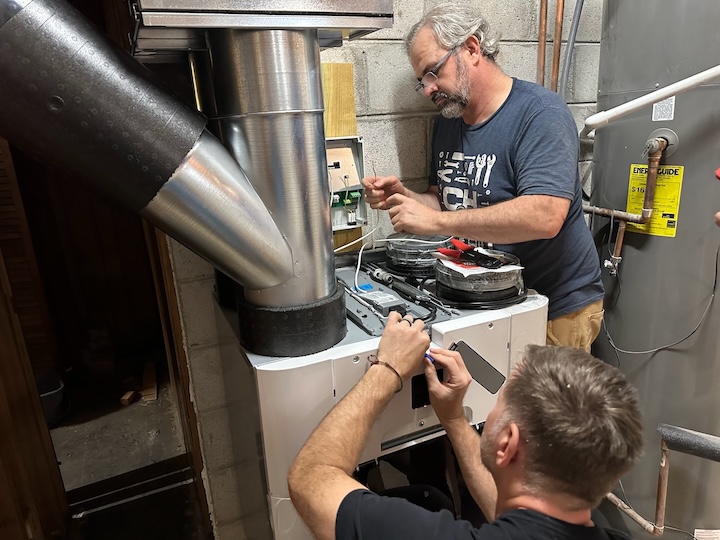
(269, 103)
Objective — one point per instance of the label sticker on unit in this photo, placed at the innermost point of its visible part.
(707, 534)
(664, 110)
(664, 218)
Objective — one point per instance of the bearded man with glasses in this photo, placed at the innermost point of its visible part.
(503, 170)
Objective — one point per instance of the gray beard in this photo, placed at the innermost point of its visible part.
(453, 108)
(457, 102)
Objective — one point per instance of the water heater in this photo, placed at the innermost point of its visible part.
(664, 285)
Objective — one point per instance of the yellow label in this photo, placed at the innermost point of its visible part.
(664, 218)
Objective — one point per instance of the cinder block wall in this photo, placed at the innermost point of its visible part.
(396, 124)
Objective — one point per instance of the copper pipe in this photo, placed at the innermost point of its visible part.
(557, 42)
(637, 518)
(619, 240)
(655, 148)
(657, 528)
(616, 214)
(662, 488)
(542, 42)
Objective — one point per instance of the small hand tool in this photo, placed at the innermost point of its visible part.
(465, 252)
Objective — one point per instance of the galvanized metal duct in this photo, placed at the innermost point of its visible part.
(269, 103)
(73, 99)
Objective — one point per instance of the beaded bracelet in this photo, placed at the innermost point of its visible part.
(374, 361)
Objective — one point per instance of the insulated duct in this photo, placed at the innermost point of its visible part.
(71, 98)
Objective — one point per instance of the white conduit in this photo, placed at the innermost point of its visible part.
(605, 117)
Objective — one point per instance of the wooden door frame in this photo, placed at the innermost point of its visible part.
(28, 466)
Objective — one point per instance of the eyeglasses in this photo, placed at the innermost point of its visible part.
(431, 76)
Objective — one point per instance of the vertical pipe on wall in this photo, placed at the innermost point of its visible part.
(557, 42)
(542, 39)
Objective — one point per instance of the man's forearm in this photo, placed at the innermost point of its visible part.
(466, 443)
(525, 218)
(340, 437)
(320, 476)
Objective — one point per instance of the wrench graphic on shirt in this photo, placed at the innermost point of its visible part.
(490, 162)
(480, 164)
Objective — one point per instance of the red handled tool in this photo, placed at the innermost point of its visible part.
(465, 252)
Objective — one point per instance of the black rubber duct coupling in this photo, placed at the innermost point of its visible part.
(295, 330)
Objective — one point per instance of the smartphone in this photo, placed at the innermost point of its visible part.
(480, 369)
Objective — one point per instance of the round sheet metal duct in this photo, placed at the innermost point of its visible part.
(74, 100)
(268, 99)
(269, 103)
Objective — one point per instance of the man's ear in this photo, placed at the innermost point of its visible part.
(508, 445)
(473, 47)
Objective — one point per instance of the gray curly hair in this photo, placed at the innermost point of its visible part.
(452, 24)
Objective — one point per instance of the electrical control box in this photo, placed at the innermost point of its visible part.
(346, 169)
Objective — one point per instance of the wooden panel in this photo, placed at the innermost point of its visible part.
(339, 97)
(29, 467)
(23, 275)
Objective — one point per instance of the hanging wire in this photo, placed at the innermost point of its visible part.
(674, 343)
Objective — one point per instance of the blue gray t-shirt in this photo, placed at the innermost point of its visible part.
(528, 147)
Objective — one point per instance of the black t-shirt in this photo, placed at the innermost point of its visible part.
(364, 515)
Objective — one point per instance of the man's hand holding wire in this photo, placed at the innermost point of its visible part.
(379, 188)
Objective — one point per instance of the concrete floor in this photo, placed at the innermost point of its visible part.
(125, 468)
(116, 439)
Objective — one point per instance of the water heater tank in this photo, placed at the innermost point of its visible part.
(666, 278)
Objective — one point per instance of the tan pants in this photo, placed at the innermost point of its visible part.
(577, 329)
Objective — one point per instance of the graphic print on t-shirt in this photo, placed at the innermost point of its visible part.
(464, 181)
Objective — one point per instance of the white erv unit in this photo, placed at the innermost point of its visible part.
(296, 393)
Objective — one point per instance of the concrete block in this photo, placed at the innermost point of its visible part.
(225, 494)
(395, 145)
(198, 315)
(220, 376)
(231, 531)
(391, 80)
(583, 77)
(585, 168)
(215, 429)
(187, 265)
(590, 27)
(519, 60)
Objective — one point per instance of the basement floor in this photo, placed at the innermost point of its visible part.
(125, 468)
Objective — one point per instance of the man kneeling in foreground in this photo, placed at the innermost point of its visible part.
(566, 426)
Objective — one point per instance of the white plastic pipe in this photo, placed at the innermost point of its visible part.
(605, 117)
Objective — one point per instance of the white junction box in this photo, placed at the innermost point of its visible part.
(345, 161)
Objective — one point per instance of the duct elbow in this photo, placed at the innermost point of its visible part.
(209, 205)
